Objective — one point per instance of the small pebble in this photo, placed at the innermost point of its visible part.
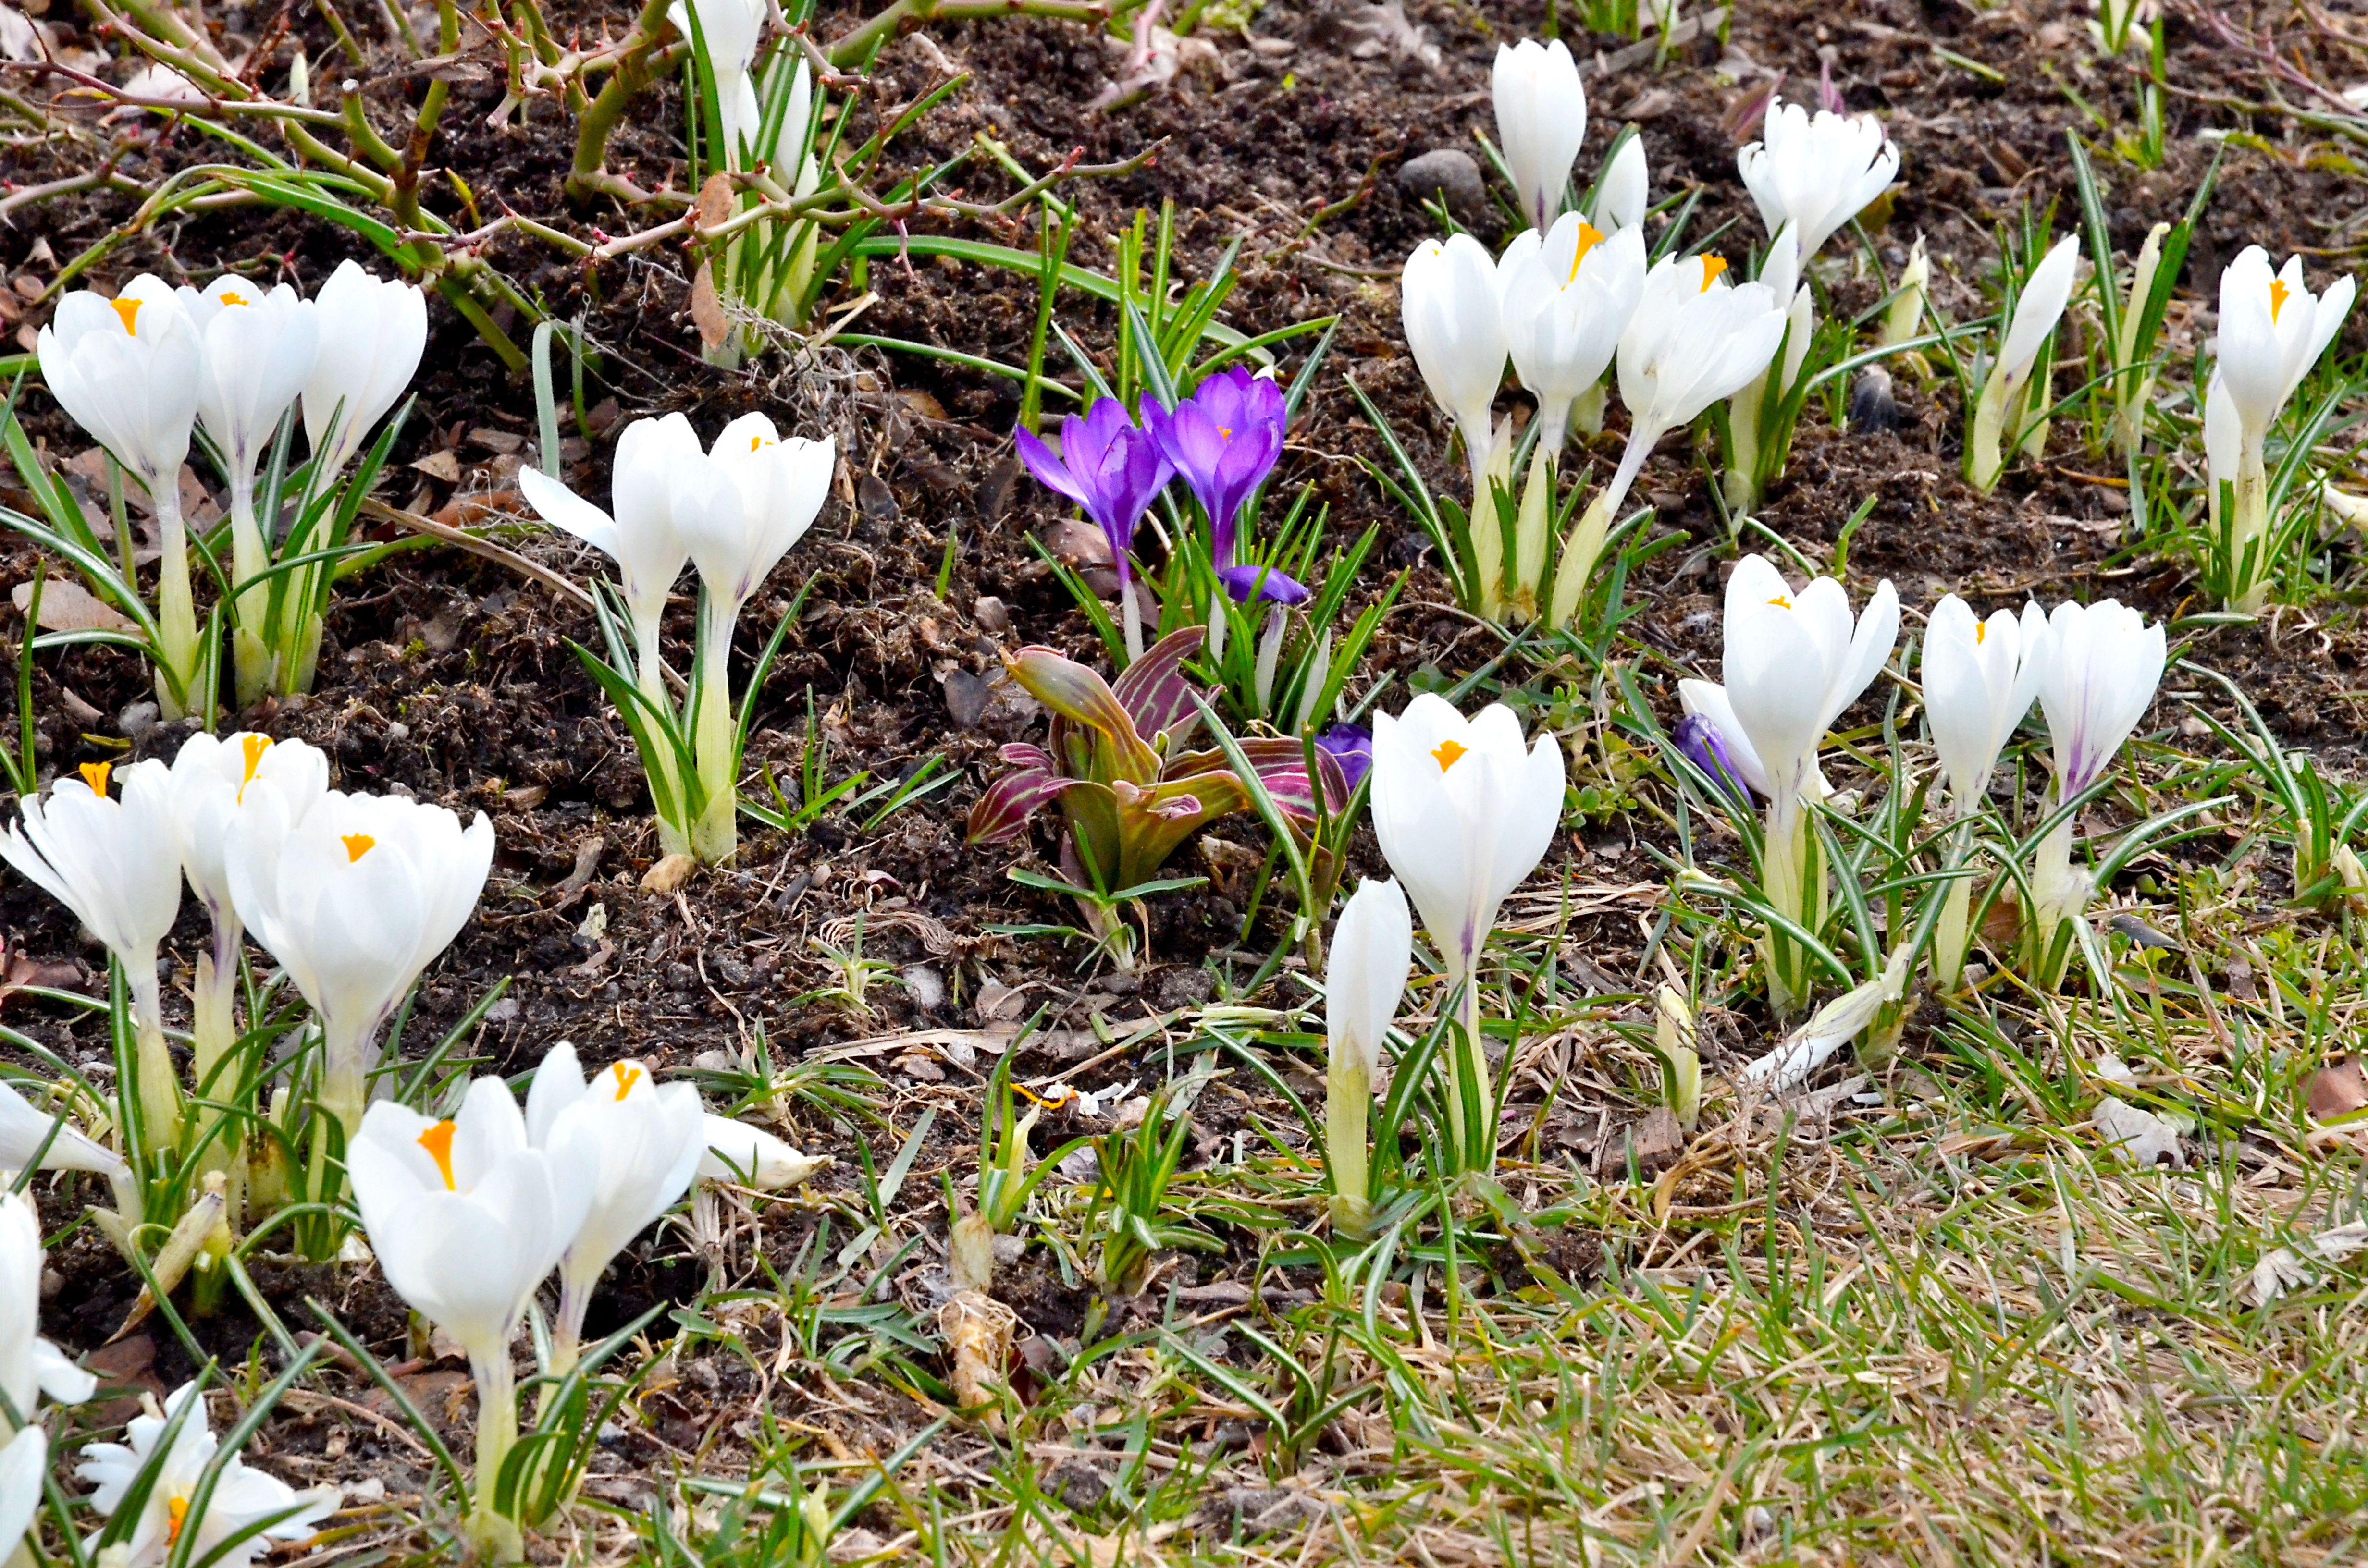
(1872, 407)
(1448, 173)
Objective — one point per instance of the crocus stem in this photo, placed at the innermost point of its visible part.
(1984, 462)
(716, 834)
(1534, 525)
(567, 1335)
(1269, 655)
(160, 1096)
(1743, 444)
(2059, 896)
(1952, 934)
(1488, 536)
(1130, 615)
(1783, 881)
(1476, 1140)
(649, 677)
(177, 616)
(248, 557)
(213, 1032)
(2248, 531)
(1348, 1101)
(495, 1538)
(346, 1060)
(1580, 550)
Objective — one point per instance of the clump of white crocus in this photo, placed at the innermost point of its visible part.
(260, 346)
(1794, 661)
(1979, 679)
(1695, 339)
(127, 370)
(2273, 330)
(2011, 415)
(211, 779)
(179, 1444)
(1373, 953)
(1448, 303)
(1540, 123)
(467, 1217)
(117, 864)
(646, 1144)
(1815, 172)
(355, 898)
(2103, 664)
(759, 495)
(1623, 191)
(1465, 810)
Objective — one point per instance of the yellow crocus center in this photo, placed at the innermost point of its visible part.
(232, 297)
(357, 845)
(1224, 433)
(1981, 633)
(1712, 267)
(757, 443)
(254, 746)
(1448, 753)
(627, 1076)
(129, 311)
(176, 1513)
(95, 775)
(1780, 602)
(1589, 236)
(2279, 294)
(437, 1142)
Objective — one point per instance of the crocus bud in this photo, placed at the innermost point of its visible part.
(1447, 304)
(1673, 1041)
(1373, 952)
(1979, 679)
(2010, 415)
(1903, 320)
(373, 332)
(1540, 122)
(1624, 192)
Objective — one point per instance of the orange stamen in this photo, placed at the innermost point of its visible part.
(254, 746)
(129, 311)
(1448, 753)
(176, 1513)
(1780, 602)
(1981, 633)
(232, 297)
(1589, 236)
(627, 1076)
(1712, 267)
(437, 1142)
(357, 845)
(95, 775)
(2279, 294)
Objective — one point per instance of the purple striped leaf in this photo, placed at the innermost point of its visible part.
(1153, 689)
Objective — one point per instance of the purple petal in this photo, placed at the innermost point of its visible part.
(1049, 470)
(1350, 745)
(1250, 585)
(1706, 749)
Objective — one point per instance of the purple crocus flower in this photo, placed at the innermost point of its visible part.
(1108, 467)
(1224, 439)
(1351, 746)
(1268, 584)
(1706, 749)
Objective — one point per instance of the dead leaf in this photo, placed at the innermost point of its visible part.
(2338, 1090)
(67, 605)
(706, 308)
(668, 874)
(714, 202)
(2142, 1137)
(439, 465)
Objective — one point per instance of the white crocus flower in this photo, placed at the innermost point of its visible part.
(739, 513)
(1465, 811)
(1979, 679)
(467, 1217)
(127, 370)
(1694, 339)
(356, 898)
(639, 535)
(2103, 664)
(1448, 305)
(1815, 172)
(1373, 952)
(211, 779)
(740, 1153)
(2011, 415)
(730, 30)
(372, 332)
(260, 350)
(241, 1497)
(29, 1365)
(2273, 330)
(1759, 433)
(646, 1142)
(1794, 661)
(24, 1466)
(1540, 122)
(1567, 297)
(28, 1133)
(1624, 192)
(117, 864)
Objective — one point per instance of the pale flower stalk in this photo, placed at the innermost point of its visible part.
(1373, 953)
(2102, 666)
(117, 864)
(127, 370)
(2273, 330)
(1980, 677)
(1794, 661)
(1759, 416)
(1465, 811)
(2011, 415)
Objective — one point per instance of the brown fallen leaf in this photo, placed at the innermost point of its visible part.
(18, 971)
(67, 605)
(2338, 1089)
(706, 308)
(442, 466)
(668, 874)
